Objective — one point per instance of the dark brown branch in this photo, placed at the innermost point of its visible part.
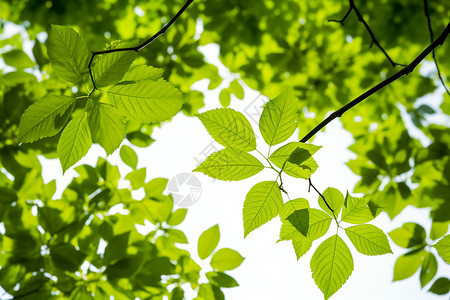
(142, 45)
(317, 191)
(430, 29)
(372, 36)
(405, 71)
(341, 21)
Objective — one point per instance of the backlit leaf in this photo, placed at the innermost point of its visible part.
(441, 286)
(409, 235)
(301, 246)
(68, 53)
(208, 241)
(146, 101)
(142, 72)
(230, 164)
(429, 269)
(106, 124)
(66, 257)
(443, 248)
(18, 59)
(109, 68)
(262, 203)
(331, 265)
(408, 264)
(368, 239)
(319, 223)
(355, 211)
(75, 141)
(278, 119)
(291, 206)
(304, 170)
(128, 156)
(221, 279)
(335, 200)
(229, 128)
(226, 259)
(45, 118)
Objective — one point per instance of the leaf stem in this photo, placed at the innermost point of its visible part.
(329, 207)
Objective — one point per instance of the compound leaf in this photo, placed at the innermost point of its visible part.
(262, 203)
(146, 101)
(75, 141)
(230, 164)
(68, 53)
(278, 119)
(331, 265)
(368, 239)
(45, 118)
(229, 128)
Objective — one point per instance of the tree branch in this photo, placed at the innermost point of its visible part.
(140, 46)
(405, 71)
(372, 36)
(430, 29)
(312, 185)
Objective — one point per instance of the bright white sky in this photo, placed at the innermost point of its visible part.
(270, 270)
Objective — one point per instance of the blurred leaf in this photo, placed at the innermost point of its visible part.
(429, 269)
(221, 279)
(408, 264)
(66, 257)
(208, 241)
(409, 235)
(18, 59)
(443, 248)
(128, 156)
(226, 259)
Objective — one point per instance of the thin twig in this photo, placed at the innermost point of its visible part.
(312, 185)
(372, 36)
(430, 29)
(405, 71)
(138, 47)
(341, 21)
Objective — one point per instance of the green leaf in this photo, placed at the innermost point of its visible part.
(408, 264)
(107, 127)
(368, 239)
(68, 53)
(262, 204)
(17, 59)
(177, 217)
(143, 72)
(225, 98)
(441, 286)
(137, 178)
(116, 248)
(146, 101)
(75, 141)
(221, 279)
(45, 118)
(331, 265)
(429, 269)
(177, 236)
(443, 248)
(291, 206)
(177, 293)
(237, 89)
(278, 119)
(409, 235)
(299, 219)
(335, 200)
(226, 259)
(281, 156)
(109, 68)
(438, 230)
(298, 156)
(229, 128)
(355, 211)
(128, 156)
(319, 223)
(301, 246)
(66, 257)
(230, 164)
(208, 241)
